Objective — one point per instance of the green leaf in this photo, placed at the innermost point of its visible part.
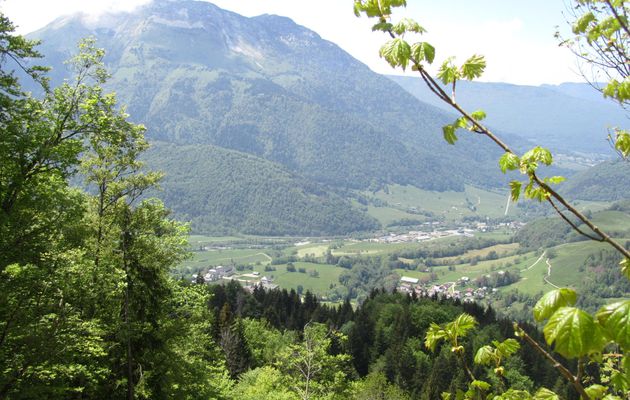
(461, 122)
(545, 394)
(615, 319)
(582, 23)
(462, 325)
(536, 192)
(448, 73)
(407, 25)
(449, 134)
(382, 26)
(515, 190)
(554, 180)
(485, 355)
(480, 385)
(573, 332)
(478, 115)
(423, 51)
(507, 347)
(595, 391)
(473, 67)
(509, 161)
(622, 143)
(435, 334)
(397, 53)
(550, 302)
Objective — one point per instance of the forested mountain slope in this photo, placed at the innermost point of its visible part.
(196, 74)
(609, 181)
(228, 191)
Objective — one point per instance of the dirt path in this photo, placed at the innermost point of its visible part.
(546, 278)
(536, 262)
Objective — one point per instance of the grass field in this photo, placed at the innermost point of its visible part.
(313, 249)
(502, 250)
(450, 205)
(328, 274)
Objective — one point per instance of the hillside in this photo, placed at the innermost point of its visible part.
(609, 181)
(566, 117)
(229, 191)
(195, 74)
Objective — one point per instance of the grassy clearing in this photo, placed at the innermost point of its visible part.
(451, 205)
(387, 215)
(502, 250)
(314, 249)
(204, 259)
(328, 274)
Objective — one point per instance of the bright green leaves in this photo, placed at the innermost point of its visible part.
(615, 319)
(573, 332)
(546, 394)
(449, 133)
(494, 355)
(450, 332)
(552, 301)
(554, 180)
(382, 26)
(462, 123)
(423, 51)
(528, 164)
(448, 72)
(535, 192)
(376, 8)
(407, 25)
(619, 91)
(471, 69)
(582, 23)
(530, 160)
(622, 142)
(596, 391)
(515, 190)
(396, 52)
(478, 115)
(509, 162)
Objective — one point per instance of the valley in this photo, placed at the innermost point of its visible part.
(470, 261)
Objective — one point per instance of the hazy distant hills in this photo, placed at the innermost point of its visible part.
(566, 117)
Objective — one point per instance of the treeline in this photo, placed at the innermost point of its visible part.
(381, 340)
(459, 248)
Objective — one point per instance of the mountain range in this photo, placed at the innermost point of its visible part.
(570, 117)
(263, 99)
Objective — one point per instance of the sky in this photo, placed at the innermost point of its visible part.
(516, 37)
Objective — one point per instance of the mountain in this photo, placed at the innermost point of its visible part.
(229, 191)
(571, 117)
(198, 75)
(608, 181)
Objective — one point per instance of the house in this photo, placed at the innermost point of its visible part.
(407, 279)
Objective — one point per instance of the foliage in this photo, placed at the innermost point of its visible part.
(88, 307)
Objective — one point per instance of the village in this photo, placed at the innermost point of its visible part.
(447, 290)
(432, 232)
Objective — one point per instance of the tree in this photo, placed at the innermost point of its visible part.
(573, 332)
(87, 305)
(312, 370)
